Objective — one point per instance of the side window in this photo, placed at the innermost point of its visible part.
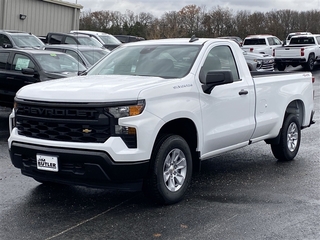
(277, 41)
(271, 41)
(3, 60)
(70, 40)
(21, 61)
(55, 39)
(221, 58)
(4, 40)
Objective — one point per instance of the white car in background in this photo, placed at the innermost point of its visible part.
(259, 61)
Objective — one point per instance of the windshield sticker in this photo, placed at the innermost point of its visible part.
(22, 63)
(53, 54)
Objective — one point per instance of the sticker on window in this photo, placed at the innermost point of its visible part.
(22, 63)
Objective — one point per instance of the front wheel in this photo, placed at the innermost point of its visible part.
(290, 137)
(281, 66)
(171, 170)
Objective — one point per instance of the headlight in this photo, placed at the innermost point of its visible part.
(126, 111)
(128, 134)
(259, 62)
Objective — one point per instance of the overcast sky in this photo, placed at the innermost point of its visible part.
(159, 7)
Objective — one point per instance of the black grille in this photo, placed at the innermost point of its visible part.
(267, 64)
(76, 123)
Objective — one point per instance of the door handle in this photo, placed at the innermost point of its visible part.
(243, 92)
(10, 78)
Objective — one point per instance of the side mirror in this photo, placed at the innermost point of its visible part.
(28, 71)
(7, 45)
(215, 78)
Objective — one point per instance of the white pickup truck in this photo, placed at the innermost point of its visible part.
(262, 43)
(150, 112)
(302, 50)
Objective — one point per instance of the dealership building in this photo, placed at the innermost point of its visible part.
(39, 16)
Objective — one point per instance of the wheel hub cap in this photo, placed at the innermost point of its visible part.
(292, 137)
(174, 170)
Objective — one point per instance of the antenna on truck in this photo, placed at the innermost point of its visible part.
(193, 38)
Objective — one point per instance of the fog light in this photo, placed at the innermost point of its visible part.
(125, 130)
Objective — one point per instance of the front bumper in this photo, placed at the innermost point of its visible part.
(90, 168)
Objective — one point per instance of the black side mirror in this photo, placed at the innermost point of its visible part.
(28, 71)
(215, 78)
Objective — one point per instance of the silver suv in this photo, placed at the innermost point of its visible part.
(18, 39)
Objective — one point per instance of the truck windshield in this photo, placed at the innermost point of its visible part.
(27, 41)
(89, 41)
(58, 63)
(109, 39)
(166, 61)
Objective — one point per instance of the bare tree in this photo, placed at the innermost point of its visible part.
(193, 19)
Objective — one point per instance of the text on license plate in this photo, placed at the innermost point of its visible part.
(47, 163)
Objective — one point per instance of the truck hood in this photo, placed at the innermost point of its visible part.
(90, 88)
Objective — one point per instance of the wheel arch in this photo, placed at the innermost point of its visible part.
(185, 128)
(295, 107)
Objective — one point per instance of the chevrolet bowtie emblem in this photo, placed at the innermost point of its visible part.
(86, 130)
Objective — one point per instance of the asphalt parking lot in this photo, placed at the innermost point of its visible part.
(245, 194)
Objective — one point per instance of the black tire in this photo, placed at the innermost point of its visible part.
(290, 136)
(281, 66)
(171, 157)
(310, 63)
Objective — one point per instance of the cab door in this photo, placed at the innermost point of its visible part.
(228, 110)
(15, 78)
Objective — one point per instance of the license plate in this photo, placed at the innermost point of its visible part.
(47, 163)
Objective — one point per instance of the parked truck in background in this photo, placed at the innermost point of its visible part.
(150, 112)
(262, 43)
(302, 50)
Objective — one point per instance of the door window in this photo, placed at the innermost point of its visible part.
(21, 62)
(55, 39)
(221, 58)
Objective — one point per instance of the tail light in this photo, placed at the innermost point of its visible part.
(251, 49)
(302, 52)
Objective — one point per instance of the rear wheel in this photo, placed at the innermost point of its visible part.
(171, 170)
(290, 137)
(310, 63)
